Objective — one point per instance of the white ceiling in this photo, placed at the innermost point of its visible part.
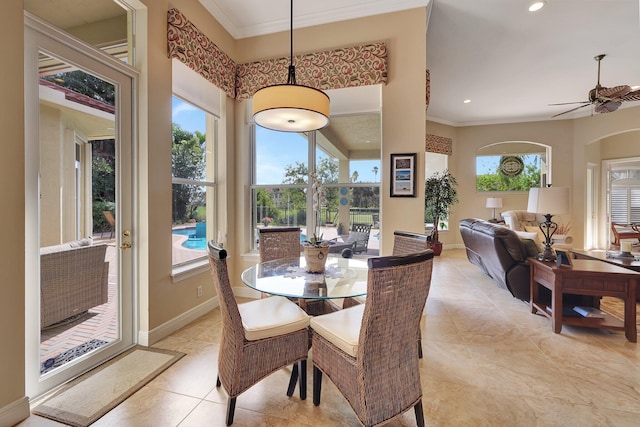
(509, 62)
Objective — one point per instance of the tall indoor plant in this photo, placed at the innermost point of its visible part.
(440, 193)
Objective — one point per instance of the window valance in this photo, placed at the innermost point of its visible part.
(438, 144)
(194, 49)
(330, 69)
(428, 93)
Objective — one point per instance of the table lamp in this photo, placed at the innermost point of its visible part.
(494, 202)
(548, 201)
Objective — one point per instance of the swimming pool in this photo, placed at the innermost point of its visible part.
(199, 244)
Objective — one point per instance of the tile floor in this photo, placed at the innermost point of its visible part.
(487, 362)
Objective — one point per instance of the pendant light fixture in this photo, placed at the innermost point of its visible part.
(291, 107)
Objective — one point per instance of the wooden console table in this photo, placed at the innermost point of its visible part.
(585, 277)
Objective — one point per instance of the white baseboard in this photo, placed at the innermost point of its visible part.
(167, 328)
(15, 412)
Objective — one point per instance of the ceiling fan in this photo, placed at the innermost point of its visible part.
(604, 99)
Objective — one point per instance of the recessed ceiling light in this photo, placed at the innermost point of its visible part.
(466, 101)
(535, 6)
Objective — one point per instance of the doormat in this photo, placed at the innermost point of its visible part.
(87, 398)
(69, 355)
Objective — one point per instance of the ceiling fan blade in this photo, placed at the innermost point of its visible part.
(569, 103)
(631, 96)
(613, 93)
(607, 107)
(573, 109)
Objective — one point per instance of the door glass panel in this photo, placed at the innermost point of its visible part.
(79, 287)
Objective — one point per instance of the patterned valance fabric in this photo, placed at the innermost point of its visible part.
(194, 49)
(438, 144)
(428, 87)
(329, 69)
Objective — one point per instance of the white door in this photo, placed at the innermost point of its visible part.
(66, 189)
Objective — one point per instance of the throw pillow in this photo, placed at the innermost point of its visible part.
(535, 229)
(531, 236)
(530, 247)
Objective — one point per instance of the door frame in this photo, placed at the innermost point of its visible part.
(43, 37)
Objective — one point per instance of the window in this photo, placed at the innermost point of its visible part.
(512, 166)
(193, 181)
(281, 189)
(625, 196)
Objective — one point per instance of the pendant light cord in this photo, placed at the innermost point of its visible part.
(291, 79)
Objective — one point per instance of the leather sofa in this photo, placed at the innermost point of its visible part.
(499, 252)
(502, 254)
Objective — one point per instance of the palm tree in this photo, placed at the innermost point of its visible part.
(354, 176)
(375, 173)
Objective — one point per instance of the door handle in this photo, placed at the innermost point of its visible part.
(126, 245)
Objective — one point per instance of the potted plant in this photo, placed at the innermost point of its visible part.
(440, 194)
(340, 228)
(316, 249)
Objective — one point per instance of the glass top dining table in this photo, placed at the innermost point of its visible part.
(342, 278)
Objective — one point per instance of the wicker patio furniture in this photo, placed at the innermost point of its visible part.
(368, 351)
(279, 243)
(73, 279)
(258, 337)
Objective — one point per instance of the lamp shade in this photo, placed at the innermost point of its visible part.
(291, 108)
(494, 202)
(549, 200)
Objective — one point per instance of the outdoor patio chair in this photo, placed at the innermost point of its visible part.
(359, 235)
(258, 337)
(111, 221)
(369, 351)
(200, 232)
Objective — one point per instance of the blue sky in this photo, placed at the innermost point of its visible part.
(292, 147)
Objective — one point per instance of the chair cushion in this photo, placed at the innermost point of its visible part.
(341, 328)
(270, 317)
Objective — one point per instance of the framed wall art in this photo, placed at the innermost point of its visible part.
(403, 175)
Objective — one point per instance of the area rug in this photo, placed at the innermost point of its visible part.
(615, 307)
(70, 354)
(87, 398)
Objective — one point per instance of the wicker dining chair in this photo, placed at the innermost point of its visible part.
(405, 243)
(279, 243)
(368, 351)
(258, 337)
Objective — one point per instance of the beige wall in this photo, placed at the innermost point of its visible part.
(161, 299)
(12, 212)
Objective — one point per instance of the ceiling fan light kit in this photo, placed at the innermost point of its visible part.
(291, 107)
(604, 99)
